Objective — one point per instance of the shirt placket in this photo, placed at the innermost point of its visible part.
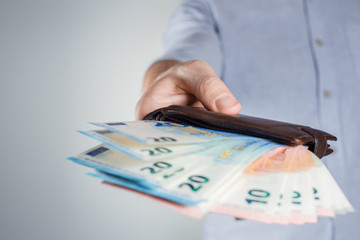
(325, 37)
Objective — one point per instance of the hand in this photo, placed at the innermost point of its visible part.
(190, 83)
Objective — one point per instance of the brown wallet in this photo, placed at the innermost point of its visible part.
(281, 132)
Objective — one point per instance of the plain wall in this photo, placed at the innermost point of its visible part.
(63, 64)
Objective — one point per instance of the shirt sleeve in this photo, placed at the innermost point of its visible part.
(193, 34)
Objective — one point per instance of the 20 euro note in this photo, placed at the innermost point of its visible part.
(151, 174)
(141, 151)
(166, 133)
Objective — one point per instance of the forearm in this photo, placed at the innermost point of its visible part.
(155, 70)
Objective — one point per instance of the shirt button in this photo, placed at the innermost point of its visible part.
(319, 42)
(327, 94)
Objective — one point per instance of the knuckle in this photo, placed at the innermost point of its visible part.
(191, 66)
(196, 64)
(207, 84)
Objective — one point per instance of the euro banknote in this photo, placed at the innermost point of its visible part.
(196, 171)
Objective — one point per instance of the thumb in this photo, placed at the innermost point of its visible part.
(201, 80)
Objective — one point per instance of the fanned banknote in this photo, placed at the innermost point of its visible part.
(196, 171)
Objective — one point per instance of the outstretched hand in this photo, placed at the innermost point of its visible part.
(192, 83)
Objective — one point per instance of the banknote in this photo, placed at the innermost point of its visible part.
(287, 195)
(144, 151)
(196, 171)
(165, 133)
(109, 160)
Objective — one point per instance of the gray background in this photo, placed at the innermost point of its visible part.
(63, 64)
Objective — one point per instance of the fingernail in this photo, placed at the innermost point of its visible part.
(224, 102)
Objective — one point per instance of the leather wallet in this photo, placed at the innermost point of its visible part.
(281, 132)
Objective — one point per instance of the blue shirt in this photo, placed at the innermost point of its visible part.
(290, 60)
